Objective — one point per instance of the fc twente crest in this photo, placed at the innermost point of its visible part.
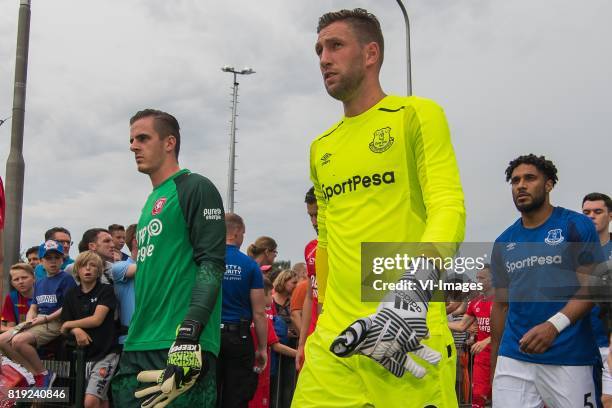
(382, 140)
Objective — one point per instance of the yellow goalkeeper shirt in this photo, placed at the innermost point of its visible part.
(386, 175)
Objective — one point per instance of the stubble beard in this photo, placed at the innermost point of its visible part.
(347, 85)
(536, 204)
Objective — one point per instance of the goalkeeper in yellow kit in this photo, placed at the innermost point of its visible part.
(386, 172)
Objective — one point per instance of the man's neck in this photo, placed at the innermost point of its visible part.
(537, 217)
(364, 98)
(231, 242)
(163, 174)
(604, 236)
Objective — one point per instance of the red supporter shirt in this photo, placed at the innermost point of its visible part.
(8, 313)
(309, 256)
(2, 205)
(480, 308)
(261, 399)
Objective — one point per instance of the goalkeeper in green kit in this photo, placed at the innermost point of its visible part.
(173, 339)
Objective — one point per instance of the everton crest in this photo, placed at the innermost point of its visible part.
(555, 237)
(382, 140)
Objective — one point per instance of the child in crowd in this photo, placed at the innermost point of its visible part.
(18, 300)
(43, 322)
(262, 394)
(88, 314)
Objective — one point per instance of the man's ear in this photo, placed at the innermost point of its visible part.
(548, 185)
(170, 143)
(372, 54)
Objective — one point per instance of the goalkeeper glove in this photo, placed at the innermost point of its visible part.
(396, 329)
(184, 366)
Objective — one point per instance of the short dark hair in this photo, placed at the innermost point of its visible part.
(540, 162)
(51, 232)
(130, 233)
(233, 221)
(599, 196)
(365, 25)
(164, 123)
(89, 236)
(310, 196)
(32, 250)
(115, 227)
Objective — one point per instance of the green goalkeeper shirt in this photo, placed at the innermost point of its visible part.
(180, 231)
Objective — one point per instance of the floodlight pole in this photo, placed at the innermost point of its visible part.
(232, 146)
(15, 165)
(408, 61)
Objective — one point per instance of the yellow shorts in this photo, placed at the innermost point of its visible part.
(357, 381)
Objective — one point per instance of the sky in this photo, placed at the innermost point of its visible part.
(513, 78)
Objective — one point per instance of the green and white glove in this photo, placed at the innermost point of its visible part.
(184, 366)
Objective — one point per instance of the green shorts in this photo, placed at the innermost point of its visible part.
(330, 381)
(124, 384)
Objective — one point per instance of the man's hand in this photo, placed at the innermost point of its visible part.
(66, 327)
(396, 329)
(539, 338)
(183, 367)
(38, 320)
(299, 357)
(479, 346)
(82, 338)
(261, 359)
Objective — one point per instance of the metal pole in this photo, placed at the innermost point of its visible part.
(232, 148)
(408, 61)
(15, 164)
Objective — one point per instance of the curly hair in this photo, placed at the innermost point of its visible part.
(310, 197)
(540, 162)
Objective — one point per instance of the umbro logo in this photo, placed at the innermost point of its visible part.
(510, 246)
(325, 159)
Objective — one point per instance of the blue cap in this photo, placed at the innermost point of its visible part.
(50, 245)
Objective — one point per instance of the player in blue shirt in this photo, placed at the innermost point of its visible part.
(243, 304)
(543, 349)
(598, 207)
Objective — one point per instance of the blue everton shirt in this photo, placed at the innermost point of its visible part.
(598, 327)
(241, 275)
(538, 267)
(50, 291)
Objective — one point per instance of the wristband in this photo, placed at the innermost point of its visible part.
(560, 321)
(189, 331)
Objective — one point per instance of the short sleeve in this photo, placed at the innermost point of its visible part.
(272, 337)
(499, 274)
(118, 270)
(107, 297)
(8, 311)
(470, 308)
(256, 277)
(297, 298)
